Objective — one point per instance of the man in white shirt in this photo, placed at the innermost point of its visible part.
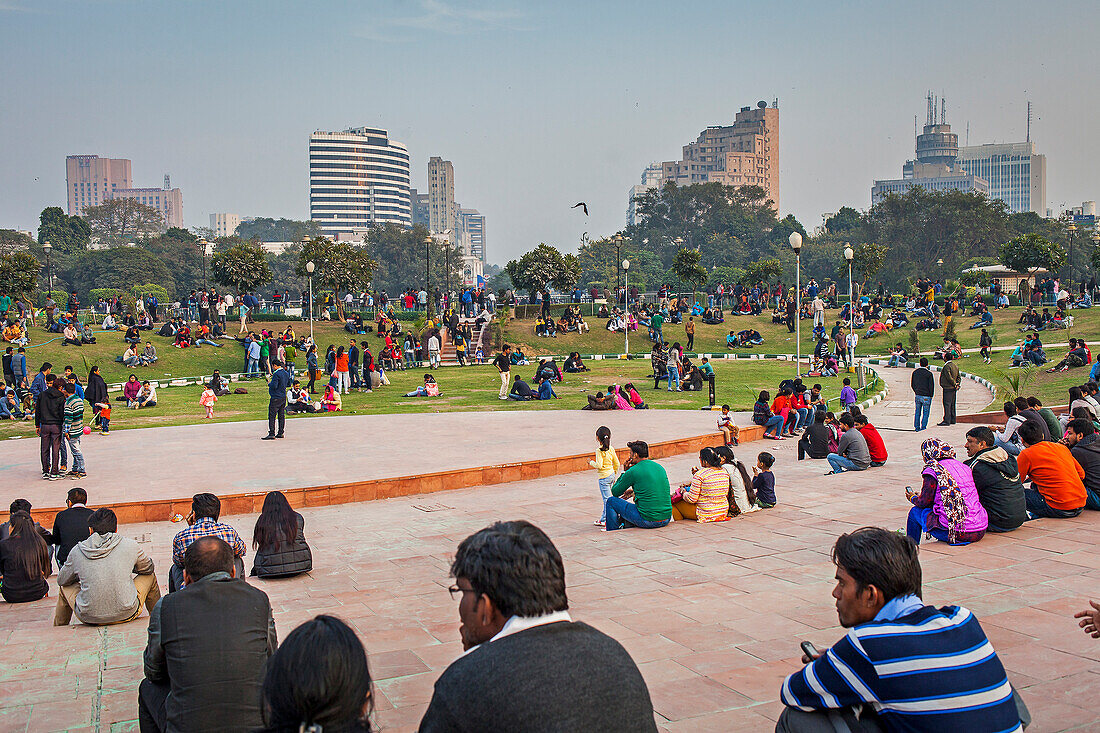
(433, 350)
(819, 312)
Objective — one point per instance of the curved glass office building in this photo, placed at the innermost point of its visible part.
(358, 178)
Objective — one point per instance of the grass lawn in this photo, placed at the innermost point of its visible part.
(473, 388)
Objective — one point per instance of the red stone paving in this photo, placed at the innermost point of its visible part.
(712, 614)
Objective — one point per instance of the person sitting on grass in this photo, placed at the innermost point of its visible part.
(646, 482)
(706, 498)
(598, 401)
(898, 355)
(574, 364)
(635, 399)
(331, 401)
(147, 397)
(546, 389)
(1077, 356)
(131, 390)
(71, 335)
(947, 506)
(297, 399)
(985, 321)
(130, 357)
(429, 389)
(878, 599)
(517, 357)
(132, 336)
(109, 323)
(521, 390)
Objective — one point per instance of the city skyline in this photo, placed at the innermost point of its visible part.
(560, 103)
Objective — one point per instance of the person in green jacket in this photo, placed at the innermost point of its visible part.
(645, 481)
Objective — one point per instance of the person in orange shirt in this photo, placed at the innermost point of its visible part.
(781, 406)
(1057, 480)
(343, 375)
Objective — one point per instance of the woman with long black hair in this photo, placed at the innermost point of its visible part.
(96, 394)
(279, 540)
(24, 561)
(318, 680)
(311, 367)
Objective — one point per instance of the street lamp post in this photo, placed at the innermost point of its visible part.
(1071, 230)
(427, 271)
(796, 244)
(618, 242)
(47, 247)
(849, 253)
(626, 331)
(202, 253)
(310, 267)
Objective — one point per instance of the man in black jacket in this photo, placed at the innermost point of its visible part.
(997, 479)
(70, 526)
(949, 385)
(208, 644)
(49, 413)
(1084, 445)
(815, 441)
(528, 666)
(924, 387)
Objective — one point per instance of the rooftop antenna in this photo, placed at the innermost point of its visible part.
(916, 130)
(931, 108)
(943, 111)
(167, 182)
(1029, 121)
(968, 132)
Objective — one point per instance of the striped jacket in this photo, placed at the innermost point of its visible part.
(74, 416)
(929, 670)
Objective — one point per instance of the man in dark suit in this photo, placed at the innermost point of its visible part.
(208, 644)
(71, 525)
(528, 666)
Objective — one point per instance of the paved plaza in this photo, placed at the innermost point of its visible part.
(712, 614)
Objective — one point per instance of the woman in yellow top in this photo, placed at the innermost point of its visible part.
(606, 464)
(706, 499)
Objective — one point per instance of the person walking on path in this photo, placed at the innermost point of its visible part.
(276, 406)
(924, 387)
(949, 383)
(689, 329)
(503, 364)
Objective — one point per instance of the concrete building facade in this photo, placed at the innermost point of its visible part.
(224, 224)
(419, 202)
(91, 180)
(168, 201)
(651, 178)
(1016, 174)
(358, 178)
(471, 233)
(745, 153)
(442, 209)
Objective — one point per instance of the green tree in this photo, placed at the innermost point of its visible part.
(339, 266)
(688, 270)
(1028, 252)
(66, 234)
(845, 221)
(278, 230)
(183, 256)
(402, 256)
(761, 271)
(542, 267)
(120, 221)
(18, 272)
(11, 240)
(119, 267)
(867, 261)
(242, 266)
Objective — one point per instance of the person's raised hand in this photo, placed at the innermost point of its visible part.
(1090, 619)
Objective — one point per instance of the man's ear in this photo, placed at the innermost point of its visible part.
(872, 597)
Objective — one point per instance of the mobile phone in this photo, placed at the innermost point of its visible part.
(809, 650)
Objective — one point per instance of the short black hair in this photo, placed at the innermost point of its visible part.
(847, 420)
(77, 496)
(766, 458)
(640, 447)
(1081, 426)
(860, 419)
(1021, 403)
(1034, 402)
(1010, 409)
(924, 361)
(982, 434)
(516, 565)
(20, 505)
(206, 505)
(848, 381)
(207, 555)
(103, 521)
(725, 407)
(878, 557)
(1030, 433)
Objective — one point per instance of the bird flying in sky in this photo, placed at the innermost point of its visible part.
(583, 205)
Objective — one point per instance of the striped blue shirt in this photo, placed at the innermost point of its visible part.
(928, 670)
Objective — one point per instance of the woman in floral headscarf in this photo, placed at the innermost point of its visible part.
(947, 505)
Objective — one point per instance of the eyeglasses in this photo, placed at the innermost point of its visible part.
(455, 591)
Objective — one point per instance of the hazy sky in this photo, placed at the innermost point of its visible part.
(539, 105)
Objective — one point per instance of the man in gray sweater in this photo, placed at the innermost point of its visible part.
(852, 453)
(97, 578)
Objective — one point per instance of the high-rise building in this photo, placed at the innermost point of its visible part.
(419, 207)
(745, 153)
(442, 209)
(651, 178)
(167, 200)
(91, 180)
(471, 228)
(1016, 174)
(936, 166)
(358, 178)
(224, 225)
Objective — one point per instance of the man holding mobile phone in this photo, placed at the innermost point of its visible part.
(903, 665)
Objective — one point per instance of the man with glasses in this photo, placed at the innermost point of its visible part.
(528, 666)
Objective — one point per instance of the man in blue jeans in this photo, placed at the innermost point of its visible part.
(645, 481)
(924, 387)
(852, 453)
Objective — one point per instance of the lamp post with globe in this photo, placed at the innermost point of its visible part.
(796, 244)
(849, 253)
(626, 286)
(310, 267)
